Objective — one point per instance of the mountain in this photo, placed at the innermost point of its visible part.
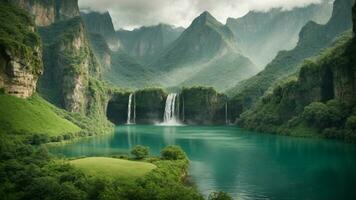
(260, 35)
(146, 43)
(205, 54)
(101, 23)
(127, 72)
(313, 38)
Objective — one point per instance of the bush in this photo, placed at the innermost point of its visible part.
(38, 139)
(140, 152)
(351, 123)
(173, 153)
(219, 196)
(322, 116)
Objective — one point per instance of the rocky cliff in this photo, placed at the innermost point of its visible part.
(199, 105)
(20, 52)
(69, 62)
(46, 12)
(101, 23)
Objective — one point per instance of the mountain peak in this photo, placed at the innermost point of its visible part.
(206, 18)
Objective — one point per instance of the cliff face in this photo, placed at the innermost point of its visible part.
(69, 62)
(202, 106)
(101, 23)
(20, 53)
(47, 12)
(150, 105)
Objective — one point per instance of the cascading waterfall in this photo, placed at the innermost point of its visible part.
(129, 109)
(170, 117)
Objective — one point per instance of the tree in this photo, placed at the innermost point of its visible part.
(219, 196)
(140, 152)
(173, 153)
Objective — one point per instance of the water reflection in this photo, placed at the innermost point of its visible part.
(247, 165)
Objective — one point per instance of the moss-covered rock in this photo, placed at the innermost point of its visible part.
(20, 52)
(150, 104)
(117, 107)
(69, 63)
(201, 105)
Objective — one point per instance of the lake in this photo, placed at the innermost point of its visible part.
(248, 165)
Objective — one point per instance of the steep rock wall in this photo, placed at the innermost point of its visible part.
(47, 12)
(199, 105)
(20, 53)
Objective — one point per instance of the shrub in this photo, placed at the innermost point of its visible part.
(322, 116)
(351, 123)
(173, 153)
(140, 152)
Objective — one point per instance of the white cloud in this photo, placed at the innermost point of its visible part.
(134, 13)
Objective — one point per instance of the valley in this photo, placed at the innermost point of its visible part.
(213, 110)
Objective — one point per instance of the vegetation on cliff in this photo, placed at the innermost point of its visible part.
(313, 38)
(321, 101)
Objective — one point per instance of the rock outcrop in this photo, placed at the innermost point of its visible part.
(69, 64)
(199, 105)
(20, 53)
(47, 12)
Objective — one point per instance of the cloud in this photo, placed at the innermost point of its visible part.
(134, 13)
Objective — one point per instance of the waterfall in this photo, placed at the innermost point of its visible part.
(170, 117)
(129, 109)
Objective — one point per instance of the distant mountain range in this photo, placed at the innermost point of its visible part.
(260, 35)
(146, 43)
(205, 54)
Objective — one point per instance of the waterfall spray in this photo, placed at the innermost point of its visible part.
(170, 117)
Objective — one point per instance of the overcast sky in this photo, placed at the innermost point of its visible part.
(129, 14)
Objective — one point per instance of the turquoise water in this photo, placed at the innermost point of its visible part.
(245, 164)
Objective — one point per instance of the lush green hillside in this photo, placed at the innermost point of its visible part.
(126, 72)
(205, 48)
(320, 101)
(261, 35)
(113, 168)
(312, 40)
(146, 43)
(32, 116)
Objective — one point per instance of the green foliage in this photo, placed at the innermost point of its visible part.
(31, 173)
(140, 152)
(173, 153)
(112, 168)
(321, 116)
(219, 196)
(32, 116)
(18, 36)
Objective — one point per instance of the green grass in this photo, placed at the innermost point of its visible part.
(32, 116)
(113, 168)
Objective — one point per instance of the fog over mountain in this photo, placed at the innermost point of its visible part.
(131, 14)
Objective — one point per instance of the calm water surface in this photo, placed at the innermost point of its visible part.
(245, 164)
